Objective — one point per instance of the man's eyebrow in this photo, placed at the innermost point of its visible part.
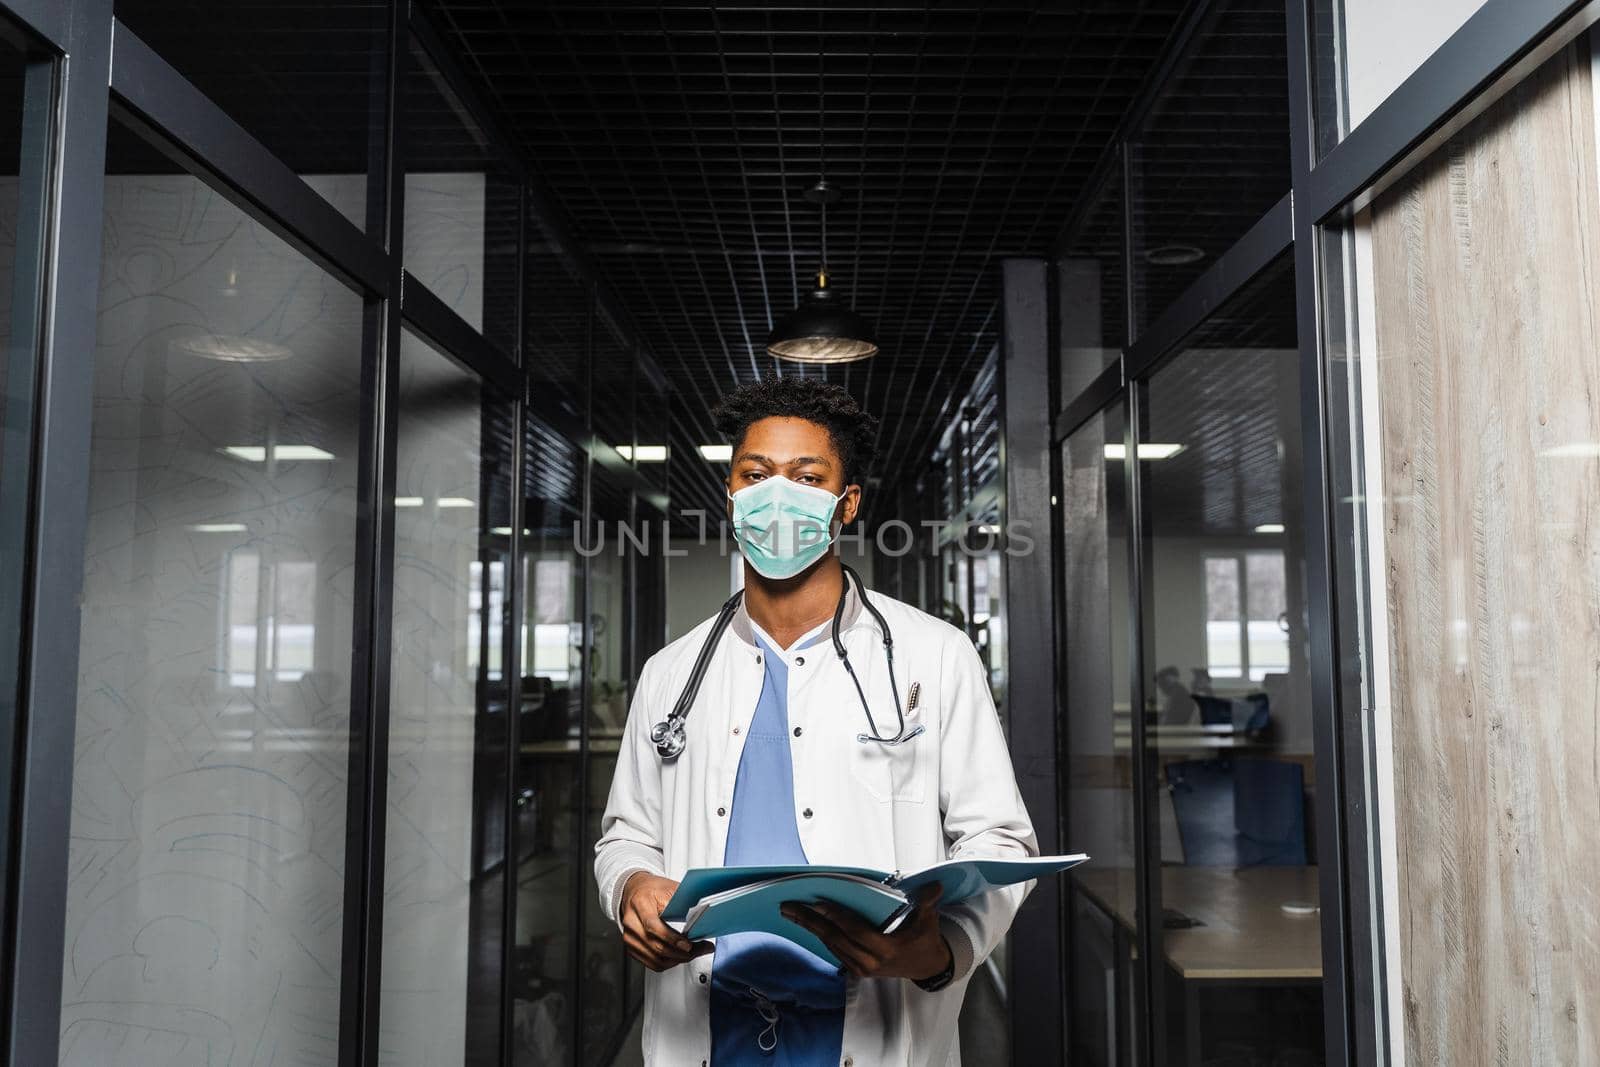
(798, 461)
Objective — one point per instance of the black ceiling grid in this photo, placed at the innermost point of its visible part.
(677, 138)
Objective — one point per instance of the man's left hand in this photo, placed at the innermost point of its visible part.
(916, 950)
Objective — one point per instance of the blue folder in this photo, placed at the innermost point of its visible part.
(725, 900)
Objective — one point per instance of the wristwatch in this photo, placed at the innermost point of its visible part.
(940, 980)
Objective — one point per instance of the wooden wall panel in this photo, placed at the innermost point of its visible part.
(1485, 266)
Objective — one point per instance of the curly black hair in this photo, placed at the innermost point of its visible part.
(853, 431)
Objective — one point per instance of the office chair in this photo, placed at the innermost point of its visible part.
(1239, 812)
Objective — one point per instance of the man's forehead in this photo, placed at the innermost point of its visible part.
(787, 438)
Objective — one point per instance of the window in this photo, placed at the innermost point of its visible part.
(1246, 618)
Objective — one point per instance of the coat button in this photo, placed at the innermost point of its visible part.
(704, 979)
(806, 813)
(722, 811)
(797, 731)
(799, 661)
(735, 731)
(848, 1062)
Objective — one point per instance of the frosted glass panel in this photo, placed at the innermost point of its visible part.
(205, 898)
(447, 715)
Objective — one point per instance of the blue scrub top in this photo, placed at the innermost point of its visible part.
(766, 992)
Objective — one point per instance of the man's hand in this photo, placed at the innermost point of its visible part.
(649, 940)
(916, 950)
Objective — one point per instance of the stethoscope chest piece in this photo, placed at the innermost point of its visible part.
(669, 738)
(668, 734)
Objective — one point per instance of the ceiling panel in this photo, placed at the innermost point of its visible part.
(678, 138)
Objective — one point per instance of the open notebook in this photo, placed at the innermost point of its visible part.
(711, 901)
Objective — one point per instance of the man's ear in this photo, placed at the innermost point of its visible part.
(852, 504)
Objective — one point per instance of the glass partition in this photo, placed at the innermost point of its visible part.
(1232, 789)
(1213, 154)
(1091, 291)
(206, 888)
(1102, 913)
(556, 313)
(552, 868)
(610, 618)
(315, 99)
(1364, 50)
(444, 871)
(461, 206)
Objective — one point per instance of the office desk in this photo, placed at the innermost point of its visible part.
(1246, 938)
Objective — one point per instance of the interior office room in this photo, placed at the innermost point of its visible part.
(1236, 363)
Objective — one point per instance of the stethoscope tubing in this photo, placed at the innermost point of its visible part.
(669, 735)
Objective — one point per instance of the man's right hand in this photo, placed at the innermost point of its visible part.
(650, 940)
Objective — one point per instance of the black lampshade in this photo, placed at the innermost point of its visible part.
(822, 330)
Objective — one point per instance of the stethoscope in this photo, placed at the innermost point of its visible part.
(668, 734)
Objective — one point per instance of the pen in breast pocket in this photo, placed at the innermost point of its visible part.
(913, 696)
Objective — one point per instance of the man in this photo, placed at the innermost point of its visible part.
(794, 754)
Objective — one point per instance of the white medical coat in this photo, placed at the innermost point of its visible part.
(949, 793)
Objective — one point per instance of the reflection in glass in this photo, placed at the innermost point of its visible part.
(616, 389)
(1227, 690)
(1213, 154)
(610, 619)
(443, 876)
(556, 309)
(461, 207)
(1101, 914)
(1092, 313)
(552, 868)
(205, 899)
(310, 97)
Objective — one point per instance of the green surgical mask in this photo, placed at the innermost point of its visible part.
(783, 527)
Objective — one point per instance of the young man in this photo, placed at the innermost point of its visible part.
(791, 753)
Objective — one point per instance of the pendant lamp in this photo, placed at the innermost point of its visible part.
(822, 328)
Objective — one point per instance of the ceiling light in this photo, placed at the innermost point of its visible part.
(822, 328)
(989, 528)
(281, 453)
(231, 349)
(500, 531)
(1576, 450)
(219, 527)
(1150, 450)
(644, 453)
(287, 453)
(1174, 255)
(716, 453)
(456, 502)
(408, 501)
(1270, 528)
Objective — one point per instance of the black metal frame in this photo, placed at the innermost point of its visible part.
(45, 727)
(1496, 47)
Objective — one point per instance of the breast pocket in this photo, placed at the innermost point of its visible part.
(896, 773)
